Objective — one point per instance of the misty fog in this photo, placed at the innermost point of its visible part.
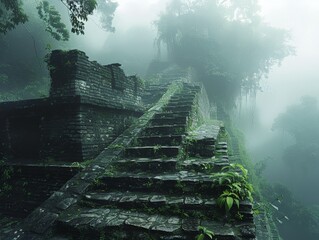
(296, 77)
(133, 44)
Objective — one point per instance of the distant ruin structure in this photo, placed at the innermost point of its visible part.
(89, 105)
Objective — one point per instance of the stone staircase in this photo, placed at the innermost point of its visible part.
(266, 228)
(156, 190)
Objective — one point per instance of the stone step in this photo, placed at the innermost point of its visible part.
(171, 164)
(222, 146)
(136, 225)
(168, 140)
(181, 108)
(182, 97)
(161, 130)
(139, 200)
(221, 151)
(154, 202)
(211, 165)
(174, 103)
(171, 114)
(186, 91)
(181, 182)
(184, 102)
(152, 151)
(148, 165)
(169, 120)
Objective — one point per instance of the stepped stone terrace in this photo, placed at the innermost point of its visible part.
(104, 158)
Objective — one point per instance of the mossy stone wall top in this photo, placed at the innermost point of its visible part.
(72, 73)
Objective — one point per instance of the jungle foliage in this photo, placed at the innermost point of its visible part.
(302, 157)
(12, 14)
(237, 188)
(24, 39)
(225, 41)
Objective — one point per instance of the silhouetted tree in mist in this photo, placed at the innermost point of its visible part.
(12, 14)
(225, 41)
(302, 158)
(31, 29)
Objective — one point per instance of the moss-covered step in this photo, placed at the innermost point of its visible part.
(176, 109)
(136, 225)
(175, 102)
(161, 130)
(175, 205)
(147, 164)
(172, 114)
(152, 151)
(169, 120)
(211, 165)
(178, 182)
(168, 140)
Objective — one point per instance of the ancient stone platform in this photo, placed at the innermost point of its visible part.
(154, 181)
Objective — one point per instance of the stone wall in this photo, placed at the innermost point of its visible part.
(31, 185)
(98, 128)
(69, 130)
(60, 134)
(88, 107)
(73, 74)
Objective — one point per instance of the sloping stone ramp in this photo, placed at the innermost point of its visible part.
(156, 186)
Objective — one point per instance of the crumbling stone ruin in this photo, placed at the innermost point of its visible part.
(104, 158)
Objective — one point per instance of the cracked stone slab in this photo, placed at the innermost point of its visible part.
(138, 222)
(168, 228)
(158, 199)
(193, 201)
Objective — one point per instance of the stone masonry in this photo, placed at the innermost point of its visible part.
(151, 178)
(44, 141)
(89, 105)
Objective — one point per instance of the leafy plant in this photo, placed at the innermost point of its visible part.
(237, 187)
(12, 13)
(52, 18)
(204, 233)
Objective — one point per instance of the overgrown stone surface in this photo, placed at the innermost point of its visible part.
(154, 181)
(265, 224)
(88, 107)
(157, 189)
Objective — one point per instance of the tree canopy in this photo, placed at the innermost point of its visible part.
(301, 121)
(302, 158)
(226, 41)
(24, 39)
(12, 14)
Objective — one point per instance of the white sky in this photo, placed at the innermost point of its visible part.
(129, 14)
(298, 75)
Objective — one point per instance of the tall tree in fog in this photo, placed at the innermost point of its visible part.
(301, 121)
(226, 41)
(12, 13)
(302, 158)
